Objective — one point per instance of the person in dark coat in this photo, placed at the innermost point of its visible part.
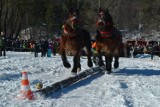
(44, 47)
(152, 52)
(55, 46)
(36, 48)
(2, 44)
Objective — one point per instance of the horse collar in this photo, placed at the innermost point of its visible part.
(106, 34)
(69, 33)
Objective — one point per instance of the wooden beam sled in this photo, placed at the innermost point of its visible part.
(69, 81)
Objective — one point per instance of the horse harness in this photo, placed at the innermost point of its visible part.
(68, 35)
(110, 34)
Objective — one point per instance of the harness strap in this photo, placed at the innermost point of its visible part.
(105, 34)
(67, 33)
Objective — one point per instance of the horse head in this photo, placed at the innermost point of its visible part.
(104, 20)
(73, 18)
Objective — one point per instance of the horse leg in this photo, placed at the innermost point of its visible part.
(89, 62)
(116, 57)
(100, 61)
(79, 65)
(116, 63)
(108, 60)
(64, 59)
(76, 63)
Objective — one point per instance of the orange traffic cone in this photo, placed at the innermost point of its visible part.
(25, 91)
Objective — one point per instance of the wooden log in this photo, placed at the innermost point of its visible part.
(69, 81)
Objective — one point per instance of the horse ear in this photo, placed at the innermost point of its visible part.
(100, 9)
(77, 11)
(107, 11)
(70, 10)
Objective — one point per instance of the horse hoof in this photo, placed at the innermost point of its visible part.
(74, 71)
(108, 72)
(90, 64)
(116, 65)
(101, 64)
(67, 65)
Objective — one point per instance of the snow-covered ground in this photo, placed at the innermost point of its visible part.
(136, 83)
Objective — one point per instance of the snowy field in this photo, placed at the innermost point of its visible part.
(136, 83)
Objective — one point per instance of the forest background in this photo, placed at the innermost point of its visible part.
(129, 15)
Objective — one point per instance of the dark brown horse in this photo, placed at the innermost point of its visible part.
(73, 40)
(108, 40)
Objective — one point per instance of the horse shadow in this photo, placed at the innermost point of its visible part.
(9, 77)
(139, 72)
(88, 80)
(78, 84)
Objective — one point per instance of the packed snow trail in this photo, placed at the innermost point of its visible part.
(135, 83)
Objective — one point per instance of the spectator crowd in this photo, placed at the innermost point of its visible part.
(42, 46)
(47, 47)
(131, 50)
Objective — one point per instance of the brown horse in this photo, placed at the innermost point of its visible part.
(108, 40)
(73, 40)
